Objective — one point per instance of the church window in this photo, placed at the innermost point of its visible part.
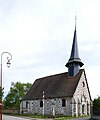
(63, 102)
(41, 103)
(83, 84)
(26, 104)
(83, 109)
(87, 108)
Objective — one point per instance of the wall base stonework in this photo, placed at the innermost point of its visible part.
(52, 107)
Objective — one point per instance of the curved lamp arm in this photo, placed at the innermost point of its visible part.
(8, 58)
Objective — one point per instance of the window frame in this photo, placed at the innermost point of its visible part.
(41, 103)
(63, 102)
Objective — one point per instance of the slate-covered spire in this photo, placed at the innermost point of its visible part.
(74, 51)
(74, 63)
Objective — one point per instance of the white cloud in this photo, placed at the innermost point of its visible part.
(39, 36)
(93, 80)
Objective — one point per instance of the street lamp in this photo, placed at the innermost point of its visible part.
(8, 65)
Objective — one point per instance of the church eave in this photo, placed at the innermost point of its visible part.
(54, 86)
(74, 61)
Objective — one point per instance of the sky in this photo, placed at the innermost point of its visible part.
(39, 35)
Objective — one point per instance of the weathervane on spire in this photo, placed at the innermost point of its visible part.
(75, 18)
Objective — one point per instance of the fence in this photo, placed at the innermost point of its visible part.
(10, 111)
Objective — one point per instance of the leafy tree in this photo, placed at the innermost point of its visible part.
(1, 93)
(96, 106)
(16, 93)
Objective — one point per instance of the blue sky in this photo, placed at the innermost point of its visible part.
(39, 34)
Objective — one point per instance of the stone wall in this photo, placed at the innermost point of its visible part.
(51, 107)
(82, 97)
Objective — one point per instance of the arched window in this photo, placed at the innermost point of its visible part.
(41, 103)
(88, 108)
(83, 84)
(63, 102)
(83, 109)
(26, 104)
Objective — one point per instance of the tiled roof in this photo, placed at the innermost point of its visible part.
(59, 85)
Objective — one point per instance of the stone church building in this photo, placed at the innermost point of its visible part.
(64, 94)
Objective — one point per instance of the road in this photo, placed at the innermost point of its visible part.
(83, 118)
(6, 117)
(88, 118)
(96, 117)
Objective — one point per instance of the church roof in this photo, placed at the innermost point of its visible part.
(54, 86)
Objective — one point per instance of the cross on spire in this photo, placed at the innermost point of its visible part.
(75, 20)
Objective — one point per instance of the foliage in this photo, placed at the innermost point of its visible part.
(1, 93)
(16, 93)
(96, 106)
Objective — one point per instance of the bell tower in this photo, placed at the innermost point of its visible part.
(74, 63)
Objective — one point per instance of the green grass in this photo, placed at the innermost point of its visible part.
(67, 118)
(30, 115)
(62, 118)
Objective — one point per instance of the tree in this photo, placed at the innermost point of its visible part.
(96, 106)
(16, 93)
(1, 93)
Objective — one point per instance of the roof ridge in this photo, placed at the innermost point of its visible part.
(54, 86)
(52, 75)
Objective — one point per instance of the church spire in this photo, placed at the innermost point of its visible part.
(74, 62)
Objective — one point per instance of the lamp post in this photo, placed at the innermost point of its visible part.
(8, 65)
